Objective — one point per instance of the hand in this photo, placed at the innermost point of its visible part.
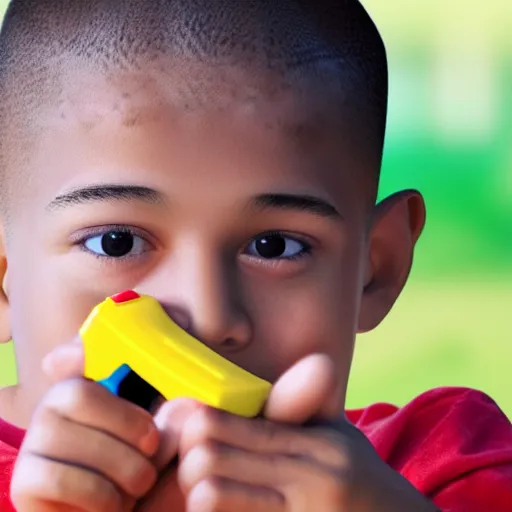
(231, 464)
(89, 450)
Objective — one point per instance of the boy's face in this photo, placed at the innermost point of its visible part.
(247, 217)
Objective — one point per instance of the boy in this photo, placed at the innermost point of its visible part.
(222, 156)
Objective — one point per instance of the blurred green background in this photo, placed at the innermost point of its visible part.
(450, 135)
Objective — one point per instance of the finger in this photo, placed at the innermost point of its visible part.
(65, 362)
(170, 420)
(261, 436)
(295, 484)
(294, 400)
(93, 450)
(222, 461)
(218, 494)
(93, 406)
(37, 480)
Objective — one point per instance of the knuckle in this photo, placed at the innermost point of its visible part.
(204, 426)
(69, 397)
(212, 453)
(213, 491)
(39, 480)
(28, 487)
(140, 421)
(334, 453)
(207, 496)
(140, 478)
(207, 456)
(208, 422)
(19, 483)
(42, 432)
(93, 491)
(199, 463)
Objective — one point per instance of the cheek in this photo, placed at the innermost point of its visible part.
(46, 310)
(319, 317)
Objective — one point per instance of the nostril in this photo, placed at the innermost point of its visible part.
(230, 343)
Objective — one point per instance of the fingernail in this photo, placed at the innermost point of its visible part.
(149, 443)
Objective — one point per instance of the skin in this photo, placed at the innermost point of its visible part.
(286, 320)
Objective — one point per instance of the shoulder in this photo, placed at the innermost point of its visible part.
(449, 405)
(440, 436)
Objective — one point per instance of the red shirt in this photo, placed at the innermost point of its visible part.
(10, 442)
(454, 445)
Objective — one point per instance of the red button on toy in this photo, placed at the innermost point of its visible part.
(125, 296)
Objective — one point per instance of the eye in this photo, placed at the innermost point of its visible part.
(277, 246)
(115, 244)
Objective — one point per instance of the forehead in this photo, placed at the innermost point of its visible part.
(319, 97)
(185, 121)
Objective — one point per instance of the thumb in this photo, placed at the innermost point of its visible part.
(308, 391)
(65, 362)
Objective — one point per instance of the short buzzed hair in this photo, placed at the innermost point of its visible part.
(39, 37)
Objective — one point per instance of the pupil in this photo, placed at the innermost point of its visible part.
(270, 247)
(117, 244)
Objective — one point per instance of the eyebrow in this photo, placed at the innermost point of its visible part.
(304, 203)
(94, 193)
(107, 192)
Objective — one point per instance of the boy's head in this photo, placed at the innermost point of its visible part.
(222, 156)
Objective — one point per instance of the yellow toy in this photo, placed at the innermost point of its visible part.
(130, 342)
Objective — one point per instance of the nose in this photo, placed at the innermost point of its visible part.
(202, 293)
(179, 316)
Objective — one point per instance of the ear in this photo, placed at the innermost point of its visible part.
(397, 225)
(5, 328)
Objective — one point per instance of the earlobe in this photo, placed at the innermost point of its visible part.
(5, 329)
(397, 225)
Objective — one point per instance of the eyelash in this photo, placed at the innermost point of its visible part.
(306, 251)
(81, 240)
